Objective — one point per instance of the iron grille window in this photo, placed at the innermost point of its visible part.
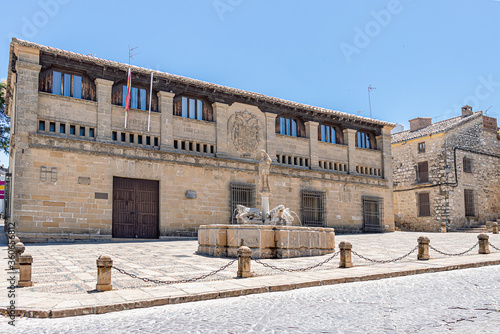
(467, 165)
(424, 206)
(373, 209)
(421, 147)
(422, 172)
(469, 203)
(241, 194)
(313, 208)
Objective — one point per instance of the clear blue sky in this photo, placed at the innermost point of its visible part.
(425, 58)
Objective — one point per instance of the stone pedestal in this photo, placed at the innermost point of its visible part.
(484, 246)
(264, 204)
(104, 264)
(25, 262)
(244, 258)
(423, 248)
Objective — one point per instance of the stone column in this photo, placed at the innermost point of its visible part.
(104, 264)
(484, 246)
(494, 227)
(26, 104)
(345, 255)
(271, 134)
(312, 135)
(25, 262)
(244, 258)
(166, 104)
(384, 144)
(221, 117)
(103, 94)
(350, 141)
(423, 248)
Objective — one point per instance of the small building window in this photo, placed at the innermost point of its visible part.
(115, 136)
(82, 131)
(52, 127)
(422, 172)
(67, 84)
(156, 141)
(62, 128)
(41, 125)
(148, 140)
(424, 206)
(365, 140)
(469, 203)
(290, 127)
(131, 138)
(241, 194)
(91, 132)
(421, 147)
(372, 214)
(139, 139)
(72, 130)
(313, 208)
(138, 97)
(192, 108)
(467, 162)
(122, 138)
(329, 134)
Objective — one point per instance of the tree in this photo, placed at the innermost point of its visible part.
(4, 121)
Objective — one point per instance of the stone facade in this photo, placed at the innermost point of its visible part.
(62, 184)
(471, 139)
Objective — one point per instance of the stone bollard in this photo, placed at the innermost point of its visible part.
(345, 255)
(423, 248)
(494, 228)
(19, 247)
(104, 264)
(484, 247)
(244, 257)
(443, 227)
(15, 240)
(25, 262)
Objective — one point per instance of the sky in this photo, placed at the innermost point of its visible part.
(424, 58)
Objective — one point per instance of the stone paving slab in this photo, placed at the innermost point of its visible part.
(61, 294)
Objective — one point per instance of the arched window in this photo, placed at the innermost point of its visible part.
(330, 134)
(193, 107)
(139, 96)
(67, 83)
(290, 126)
(365, 139)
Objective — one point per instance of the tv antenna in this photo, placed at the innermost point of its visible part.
(132, 55)
(370, 88)
(486, 111)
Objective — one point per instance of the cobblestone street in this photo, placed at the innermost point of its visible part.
(462, 301)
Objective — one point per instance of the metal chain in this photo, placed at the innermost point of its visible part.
(498, 249)
(299, 269)
(157, 281)
(385, 261)
(452, 254)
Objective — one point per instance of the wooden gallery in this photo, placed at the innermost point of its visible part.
(187, 156)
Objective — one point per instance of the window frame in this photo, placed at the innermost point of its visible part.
(188, 103)
(308, 211)
(421, 171)
(424, 204)
(421, 147)
(234, 199)
(366, 140)
(469, 203)
(467, 164)
(329, 133)
(60, 83)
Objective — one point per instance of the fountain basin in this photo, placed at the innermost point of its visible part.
(265, 241)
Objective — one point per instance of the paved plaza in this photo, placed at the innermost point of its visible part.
(460, 301)
(64, 275)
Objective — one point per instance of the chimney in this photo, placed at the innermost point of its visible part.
(466, 111)
(420, 123)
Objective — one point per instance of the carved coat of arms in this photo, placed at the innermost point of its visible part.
(245, 131)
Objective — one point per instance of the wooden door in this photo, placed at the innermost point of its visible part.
(135, 208)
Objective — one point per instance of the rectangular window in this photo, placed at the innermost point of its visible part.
(91, 132)
(115, 136)
(241, 194)
(72, 130)
(313, 208)
(192, 108)
(328, 134)
(62, 128)
(467, 162)
(77, 87)
(41, 125)
(422, 172)
(184, 107)
(199, 110)
(469, 203)
(421, 147)
(364, 140)
(56, 83)
(424, 205)
(122, 137)
(143, 99)
(124, 95)
(323, 133)
(139, 139)
(148, 140)
(282, 126)
(156, 141)
(372, 214)
(288, 132)
(131, 138)
(52, 127)
(294, 128)
(67, 85)
(82, 131)
(133, 98)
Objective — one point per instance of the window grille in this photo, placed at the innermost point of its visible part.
(424, 206)
(313, 208)
(469, 203)
(241, 194)
(421, 147)
(373, 213)
(467, 162)
(422, 172)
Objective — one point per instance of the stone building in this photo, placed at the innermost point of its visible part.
(447, 172)
(79, 173)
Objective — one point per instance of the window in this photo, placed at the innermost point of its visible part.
(91, 132)
(372, 214)
(138, 97)
(422, 172)
(241, 194)
(52, 127)
(72, 130)
(156, 141)
(329, 134)
(139, 139)
(131, 138)
(148, 140)
(421, 147)
(288, 127)
(467, 165)
(424, 206)
(62, 128)
(192, 108)
(82, 131)
(469, 203)
(122, 137)
(115, 135)
(365, 140)
(313, 208)
(41, 125)
(67, 84)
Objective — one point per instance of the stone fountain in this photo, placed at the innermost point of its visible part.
(268, 233)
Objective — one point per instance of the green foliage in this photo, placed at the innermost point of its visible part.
(4, 121)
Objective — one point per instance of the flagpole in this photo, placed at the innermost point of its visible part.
(150, 95)
(127, 100)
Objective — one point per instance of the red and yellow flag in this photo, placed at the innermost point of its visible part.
(127, 101)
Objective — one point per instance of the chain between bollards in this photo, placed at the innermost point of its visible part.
(270, 266)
